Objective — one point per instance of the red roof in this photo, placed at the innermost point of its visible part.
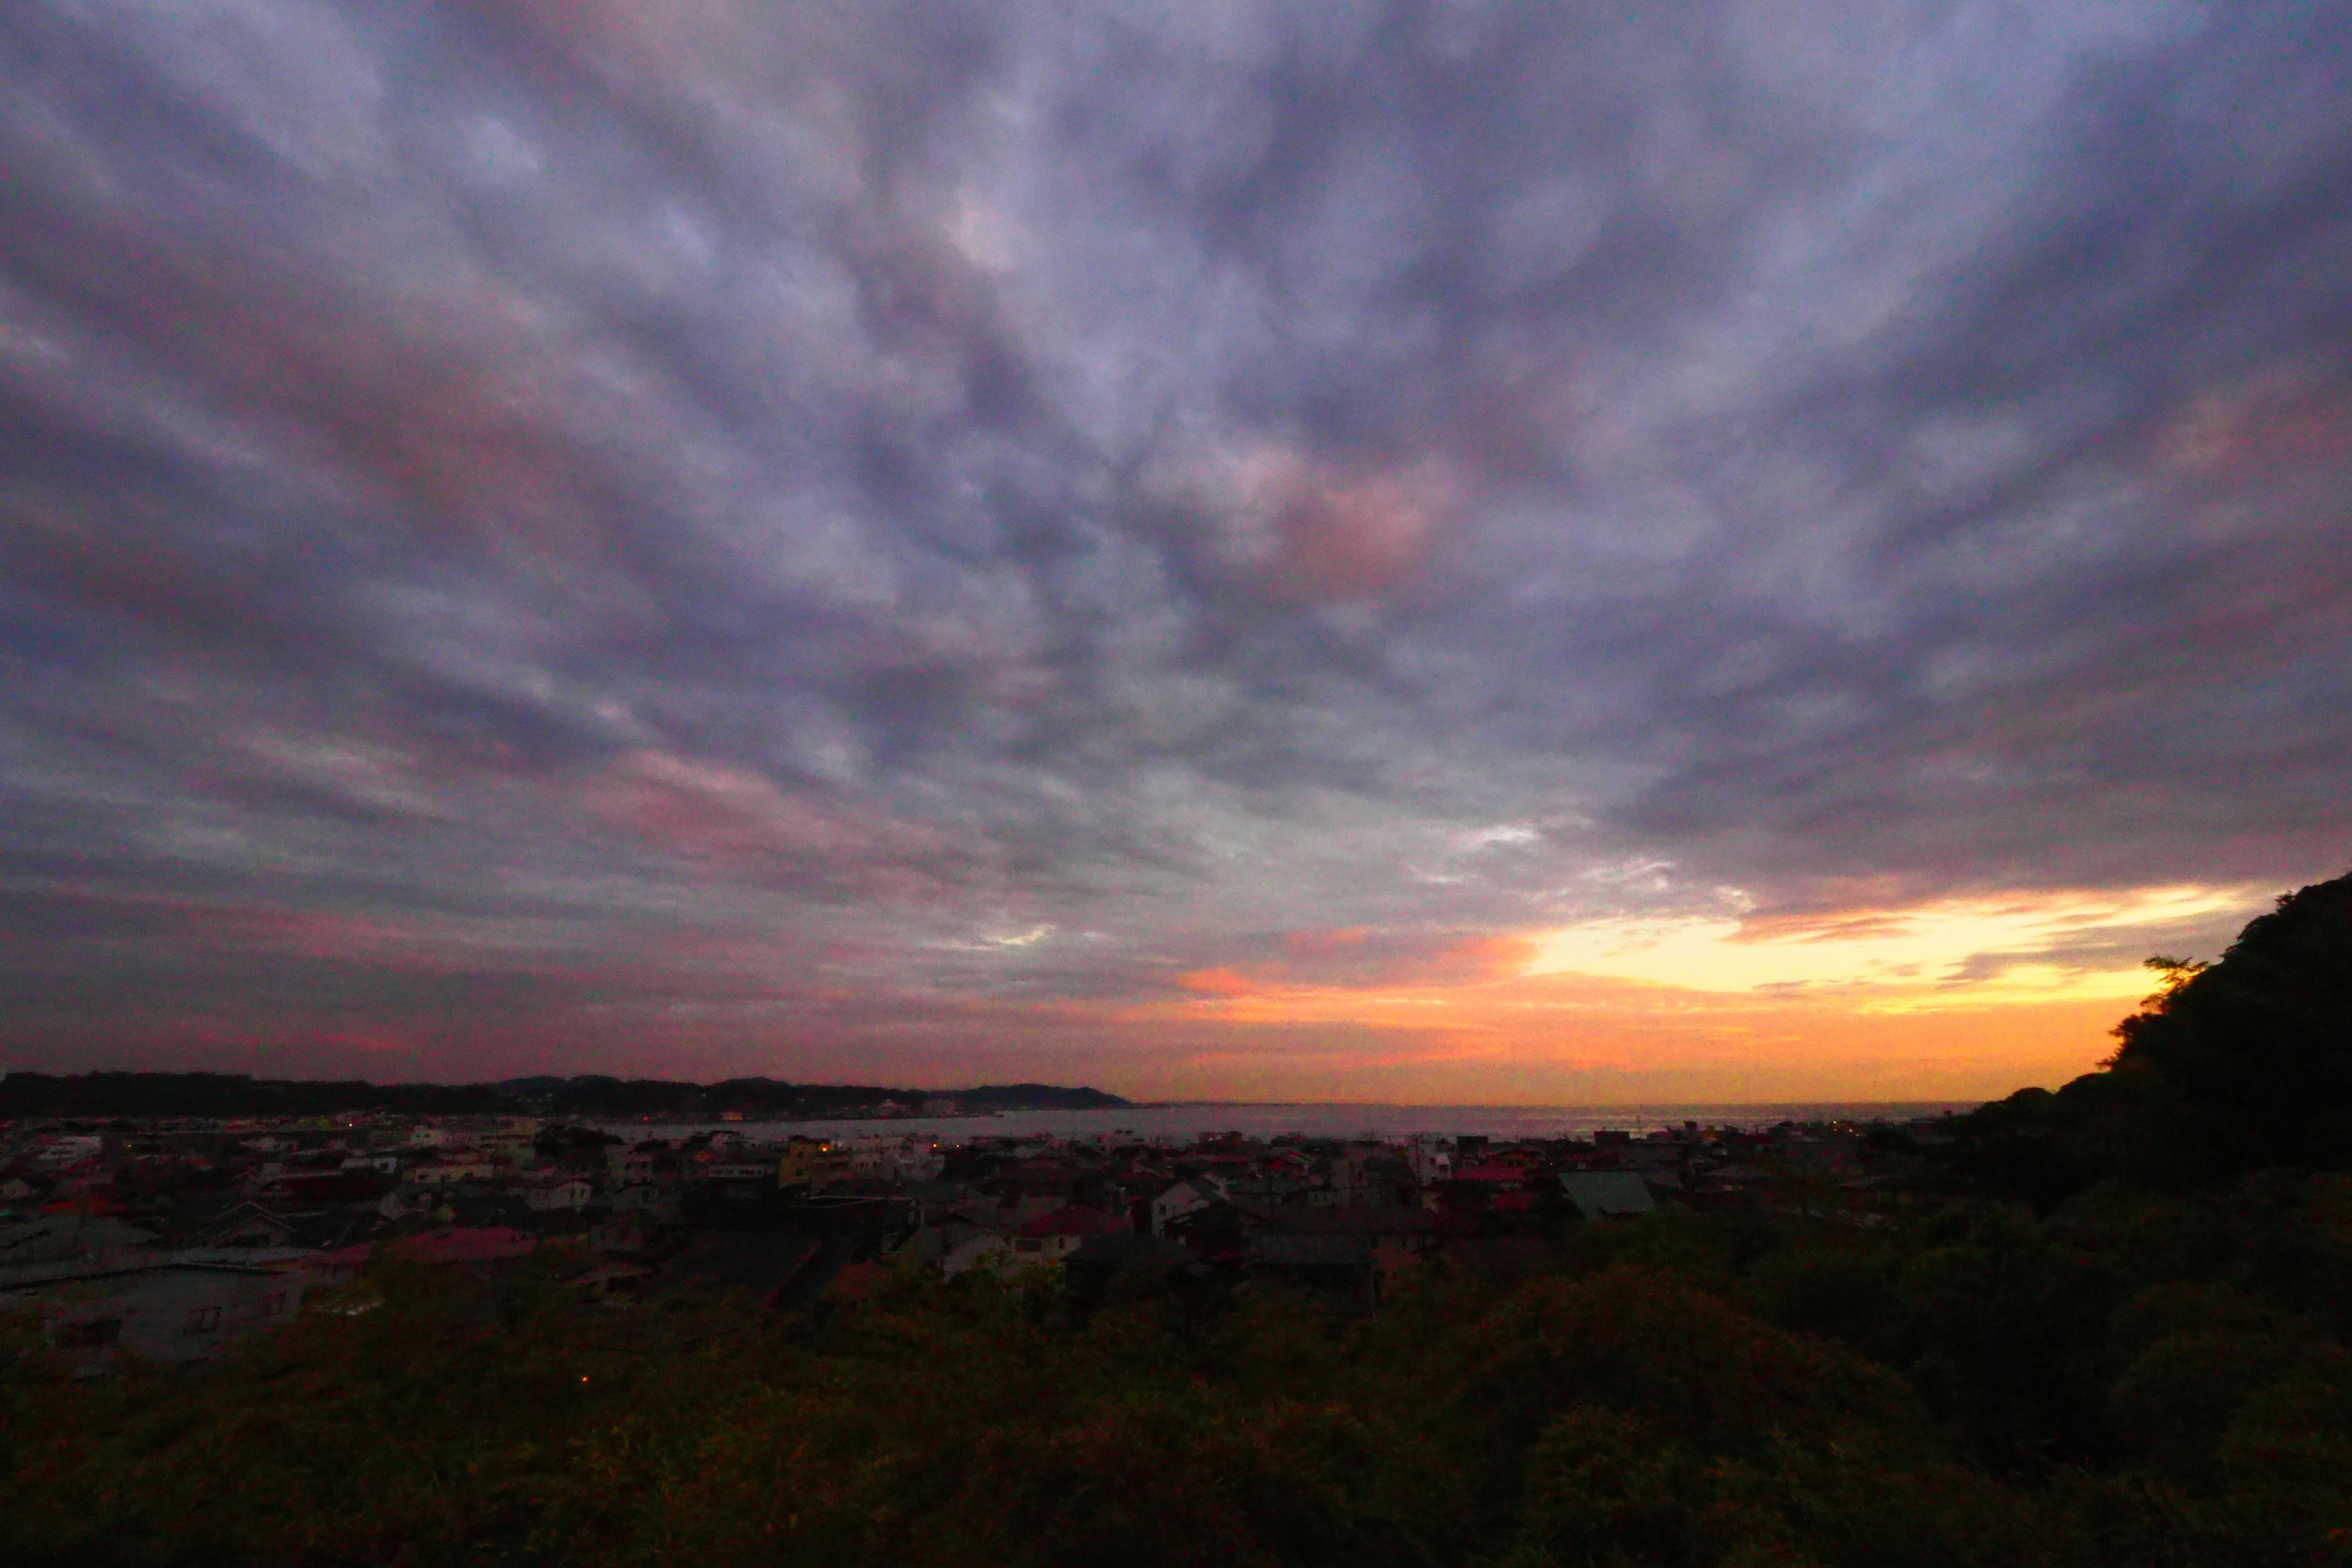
(1075, 1220)
(92, 1203)
(1491, 1172)
(481, 1246)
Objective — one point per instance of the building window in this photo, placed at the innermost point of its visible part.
(201, 1320)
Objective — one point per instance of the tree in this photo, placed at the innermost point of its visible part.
(2231, 1066)
(2248, 1062)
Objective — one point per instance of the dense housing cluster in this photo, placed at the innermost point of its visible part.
(168, 1237)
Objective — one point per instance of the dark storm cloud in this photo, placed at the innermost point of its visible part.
(1013, 501)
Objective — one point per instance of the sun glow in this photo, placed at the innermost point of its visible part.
(2020, 947)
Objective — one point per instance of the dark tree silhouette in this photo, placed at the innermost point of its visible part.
(2236, 1066)
(2248, 1062)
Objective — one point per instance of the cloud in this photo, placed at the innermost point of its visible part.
(1355, 959)
(2046, 946)
(872, 482)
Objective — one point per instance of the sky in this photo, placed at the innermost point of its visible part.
(1431, 552)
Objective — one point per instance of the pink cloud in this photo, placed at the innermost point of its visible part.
(1352, 958)
(733, 822)
(1312, 533)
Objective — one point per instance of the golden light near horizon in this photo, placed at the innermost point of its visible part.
(1953, 952)
(1223, 572)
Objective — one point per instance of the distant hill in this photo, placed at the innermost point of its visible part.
(1035, 1097)
(760, 1099)
(167, 1094)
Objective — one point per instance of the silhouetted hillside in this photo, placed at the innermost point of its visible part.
(1036, 1097)
(163, 1094)
(762, 1099)
(2237, 1066)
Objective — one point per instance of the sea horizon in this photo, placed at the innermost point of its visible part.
(1166, 1120)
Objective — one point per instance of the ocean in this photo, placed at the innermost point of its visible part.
(1185, 1122)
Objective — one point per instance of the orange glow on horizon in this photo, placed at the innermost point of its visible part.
(1956, 998)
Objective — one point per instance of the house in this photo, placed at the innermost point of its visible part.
(1034, 1188)
(965, 1246)
(1184, 1198)
(1220, 1232)
(324, 1270)
(326, 1188)
(1368, 1178)
(1102, 1256)
(55, 1236)
(1269, 1192)
(812, 1162)
(1332, 1260)
(249, 1225)
(1051, 1237)
(635, 1233)
(653, 1197)
(864, 1224)
(1391, 1239)
(628, 1166)
(750, 1172)
(1660, 1164)
(1831, 1156)
(761, 1264)
(448, 1173)
(558, 1192)
(166, 1312)
(934, 1200)
(1606, 1194)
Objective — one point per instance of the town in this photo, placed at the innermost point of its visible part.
(167, 1238)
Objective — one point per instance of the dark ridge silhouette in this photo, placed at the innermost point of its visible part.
(1868, 1372)
(2236, 1066)
(201, 1094)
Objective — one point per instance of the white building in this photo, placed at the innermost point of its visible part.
(1184, 1198)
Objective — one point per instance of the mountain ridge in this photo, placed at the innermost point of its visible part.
(213, 1094)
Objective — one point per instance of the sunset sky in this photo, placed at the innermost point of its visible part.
(1429, 552)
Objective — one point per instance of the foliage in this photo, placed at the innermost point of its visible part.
(2127, 1347)
(2132, 1378)
(2234, 1067)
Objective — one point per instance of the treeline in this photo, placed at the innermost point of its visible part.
(2137, 1379)
(101, 1095)
(2113, 1351)
(761, 1097)
(2235, 1067)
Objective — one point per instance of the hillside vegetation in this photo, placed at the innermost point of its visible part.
(2128, 1347)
